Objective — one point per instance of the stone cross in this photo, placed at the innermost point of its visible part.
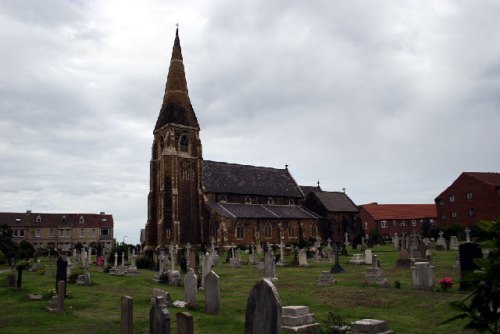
(467, 234)
(123, 258)
(232, 251)
(346, 239)
(172, 261)
(441, 234)
(329, 241)
(116, 260)
(90, 255)
(282, 246)
(133, 258)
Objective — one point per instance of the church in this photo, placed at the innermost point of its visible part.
(202, 202)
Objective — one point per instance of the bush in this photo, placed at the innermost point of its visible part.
(143, 263)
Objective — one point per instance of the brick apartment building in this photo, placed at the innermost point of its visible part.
(472, 197)
(389, 219)
(60, 231)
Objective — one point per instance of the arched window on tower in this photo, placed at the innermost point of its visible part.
(292, 230)
(268, 230)
(212, 228)
(183, 143)
(314, 230)
(240, 231)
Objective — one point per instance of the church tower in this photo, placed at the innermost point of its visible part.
(175, 195)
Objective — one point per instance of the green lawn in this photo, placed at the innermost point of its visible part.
(96, 308)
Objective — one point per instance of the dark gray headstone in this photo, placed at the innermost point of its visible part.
(468, 252)
(263, 313)
(184, 323)
(127, 319)
(159, 318)
(62, 272)
(212, 293)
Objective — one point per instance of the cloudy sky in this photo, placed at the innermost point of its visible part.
(390, 100)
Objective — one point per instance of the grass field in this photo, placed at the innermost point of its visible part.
(96, 308)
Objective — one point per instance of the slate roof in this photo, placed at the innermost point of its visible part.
(263, 211)
(27, 219)
(492, 179)
(335, 201)
(400, 211)
(309, 189)
(222, 177)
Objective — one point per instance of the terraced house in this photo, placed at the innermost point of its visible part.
(59, 231)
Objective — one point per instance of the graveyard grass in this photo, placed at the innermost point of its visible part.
(96, 308)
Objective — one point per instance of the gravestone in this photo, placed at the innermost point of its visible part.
(467, 234)
(161, 293)
(190, 288)
(303, 258)
(368, 256)
(263, 312)
(441, 242)
(206, 267)
(184, 323)
(336, 268)
(127, 315)
(57, 302)
(159, 318)
(375, 275)
(357, 259)
(270, 266)
(404, 259)
(422, 274)
(395, 241)
(453, 242)
(325, 278)
(298, 319)
(468, 252)
(61, 273)
(370, 326)
(212, 293)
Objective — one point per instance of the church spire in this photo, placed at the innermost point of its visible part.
(176, 107)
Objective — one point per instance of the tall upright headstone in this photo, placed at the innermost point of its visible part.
(212, 293)
(263, 312)
(184, 323)
(127, 315)
(159, 318)
(206, 267)
(468, 252)
(190, 287)
(61, 273)
(270, 266)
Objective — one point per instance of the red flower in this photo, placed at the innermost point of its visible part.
(446, 283)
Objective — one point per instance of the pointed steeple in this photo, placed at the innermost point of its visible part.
(176, 108)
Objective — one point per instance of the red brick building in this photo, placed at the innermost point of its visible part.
(470, 198)
(389, 219)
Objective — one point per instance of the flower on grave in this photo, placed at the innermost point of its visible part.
(50, 293)
(446, 283)
(100, 261)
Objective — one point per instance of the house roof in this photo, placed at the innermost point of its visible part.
(29, 219)
(176, 107)
(308, 189)
(238, 210)
(400, 211)
(492, 179)
(335, 201)
(222, 177)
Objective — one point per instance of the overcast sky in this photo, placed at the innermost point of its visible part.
(390, 100)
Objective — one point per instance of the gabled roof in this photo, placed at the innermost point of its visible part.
(400, 211)
(176, 107)
(335, 201)
(238, 210)
(492, 179)
(308, 189)
(29, 219)
(222, 177)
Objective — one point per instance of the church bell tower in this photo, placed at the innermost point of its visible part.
(175, 195)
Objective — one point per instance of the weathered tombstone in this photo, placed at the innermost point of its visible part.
(368, 256)
(422, 274)
(357, 259)
(336, 268)
(161, 293)
(453, 242)
(468, 252)
(303, 258)
(298, 319)
(325, 278)
(281, 262)
(467, 234)
(159, 318)
(127, 315)
(370, 326)
(161, 262)
(263, 312)
(375, 275)
(441, 242)
(395, 241)
(190, 288)
(61, 273)
(404, 258)
(212, 293)
(270, 266)
(206, 267)
(184, 323)
(61, 287)
(116, 260)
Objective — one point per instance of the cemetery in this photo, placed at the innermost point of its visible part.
(379, 293)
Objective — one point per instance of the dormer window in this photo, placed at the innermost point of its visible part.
(223, 199)
(38, 219)
(81, 220)
(291, 201)
(248, 200)
(63, 219)
(18, 220)
(270, 201)
(183, 143)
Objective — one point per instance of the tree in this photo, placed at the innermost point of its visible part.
(482, 304)
(7, 246)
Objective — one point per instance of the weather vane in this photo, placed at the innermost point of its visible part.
(177, 25)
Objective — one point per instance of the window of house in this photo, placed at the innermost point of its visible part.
(51, 232)
(82, 232)
(18, 220)
(223, 199)
(240, 231)
(452, 198)
(104, 231)
(314, 230)
(413, 223)
(440, 202)
(268, 230)
(248, 200)
(38, 219)
(94, 232)
(63, 219)
(212, 228)
(443, 217)
(402, 224)
(270, 201)
(431, 221)
(468, 195)
(453, 214)
(472, 212)
(383, 224)
(38, 233)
